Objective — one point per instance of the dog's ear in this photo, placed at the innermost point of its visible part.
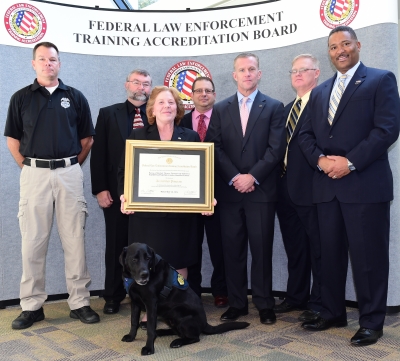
(152, 262)
(122, 261)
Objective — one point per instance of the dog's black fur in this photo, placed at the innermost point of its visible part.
(182, 310)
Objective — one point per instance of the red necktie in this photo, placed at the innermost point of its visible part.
(137, 120)
(201, 128)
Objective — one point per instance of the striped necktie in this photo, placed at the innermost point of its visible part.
(293, 118)
(137, 120)
(335, 98)
(291, 125)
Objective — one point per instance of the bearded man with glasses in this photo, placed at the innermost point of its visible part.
(114, 125)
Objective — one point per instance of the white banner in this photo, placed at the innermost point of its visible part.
(191, 33)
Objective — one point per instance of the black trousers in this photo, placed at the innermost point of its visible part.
(363, 231)
(300, 235)
(248, 223)
(116, 240)
(212, 227)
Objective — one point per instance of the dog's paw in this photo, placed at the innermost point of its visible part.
(127, 338)
(176, 343)
(147, 351)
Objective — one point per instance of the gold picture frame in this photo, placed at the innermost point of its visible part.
(169, 176)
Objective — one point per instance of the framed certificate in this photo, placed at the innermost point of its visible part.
(169, 176)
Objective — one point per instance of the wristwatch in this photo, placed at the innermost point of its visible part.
(350, 165)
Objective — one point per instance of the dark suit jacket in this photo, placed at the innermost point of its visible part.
(366, 124)
(108, 146)
(299, 173)
(187, 122)
(258, 152)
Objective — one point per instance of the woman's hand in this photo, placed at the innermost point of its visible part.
(122, 198)
(209, 213)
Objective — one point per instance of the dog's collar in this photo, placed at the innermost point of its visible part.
(174, 280)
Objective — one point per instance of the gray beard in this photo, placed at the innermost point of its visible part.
(139, 97)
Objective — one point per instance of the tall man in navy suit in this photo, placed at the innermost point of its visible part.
(203, 96)
(248, 130)
(114, 125)
(296, 212)
(353, 118)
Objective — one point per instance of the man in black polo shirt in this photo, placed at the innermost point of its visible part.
(49, 131)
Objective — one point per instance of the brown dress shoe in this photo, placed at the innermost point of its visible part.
(221, 301)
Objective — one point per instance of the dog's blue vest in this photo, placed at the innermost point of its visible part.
(174, 280)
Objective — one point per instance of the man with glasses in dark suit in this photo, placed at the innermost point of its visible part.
(203, 96)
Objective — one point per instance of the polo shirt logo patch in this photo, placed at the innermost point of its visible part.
(65, 103)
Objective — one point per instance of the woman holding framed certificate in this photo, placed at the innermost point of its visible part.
(171, 235)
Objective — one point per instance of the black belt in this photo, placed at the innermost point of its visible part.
(51, 163)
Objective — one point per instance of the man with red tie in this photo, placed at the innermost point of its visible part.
(203, 96)
(113, 127)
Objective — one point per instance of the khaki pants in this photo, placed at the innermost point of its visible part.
(41, 192)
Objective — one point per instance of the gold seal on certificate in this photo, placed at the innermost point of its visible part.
(169, 176)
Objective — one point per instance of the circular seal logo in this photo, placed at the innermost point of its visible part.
(338, 12)
(169, 160)
(181, 76)
(25, 23)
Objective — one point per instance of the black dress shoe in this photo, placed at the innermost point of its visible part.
(27, 318)
(143, 325)
(233, 313)
(365, 336)
(85, 314)
(286, 307)
(321, 324)
(309, 315)
(111, 307)
(267, 316)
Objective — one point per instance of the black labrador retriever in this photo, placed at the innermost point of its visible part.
(151, 281)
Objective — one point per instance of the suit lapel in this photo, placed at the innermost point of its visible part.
(189, 123)
(152, 133)
(178, 134)
(256, 109)
(233, 109)
(121, 114)
(355, 82)
(325, 97)
(299, 121)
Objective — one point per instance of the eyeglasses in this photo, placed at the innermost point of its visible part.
(138, 83)
(300, 71)
(200, 91)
